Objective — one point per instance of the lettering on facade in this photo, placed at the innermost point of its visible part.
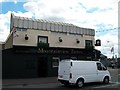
(58, 51)
(50, 51)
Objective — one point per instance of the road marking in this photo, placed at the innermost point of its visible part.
(111, 84)
(105, 86)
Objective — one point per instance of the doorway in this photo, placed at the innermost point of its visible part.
(42, 66)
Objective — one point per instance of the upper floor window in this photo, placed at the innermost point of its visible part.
(88, 43)
(42, 39)
(21, 29)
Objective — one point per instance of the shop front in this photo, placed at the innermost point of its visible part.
(34, 62)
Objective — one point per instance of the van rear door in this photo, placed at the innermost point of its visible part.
(64, 70)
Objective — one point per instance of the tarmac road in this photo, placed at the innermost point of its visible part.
(53, 83)
(91, 86)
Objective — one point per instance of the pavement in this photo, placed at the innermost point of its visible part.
(31, 81)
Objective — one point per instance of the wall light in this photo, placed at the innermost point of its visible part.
(60, 39)
(77, 41)
(26, 37)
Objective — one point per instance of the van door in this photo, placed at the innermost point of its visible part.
(101, 71)
(64, 70)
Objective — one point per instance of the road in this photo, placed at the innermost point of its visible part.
(113, 84)
(59, 85)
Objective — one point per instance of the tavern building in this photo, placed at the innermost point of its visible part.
(35, 47)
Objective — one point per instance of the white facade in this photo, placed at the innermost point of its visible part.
(69, 33)
(69, 40)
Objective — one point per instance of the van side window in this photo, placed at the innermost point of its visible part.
(99, 67)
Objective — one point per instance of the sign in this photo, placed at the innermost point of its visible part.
(59, 51)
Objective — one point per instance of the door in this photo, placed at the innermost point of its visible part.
(42, 66)
(101, 71)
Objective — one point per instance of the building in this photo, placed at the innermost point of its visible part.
(104, 60)
(34, 47)
(2, 45)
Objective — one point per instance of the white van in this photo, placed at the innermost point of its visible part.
(79, 72)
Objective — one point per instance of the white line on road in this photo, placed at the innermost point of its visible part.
(115, 83)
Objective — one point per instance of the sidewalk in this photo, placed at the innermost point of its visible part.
(44, 80)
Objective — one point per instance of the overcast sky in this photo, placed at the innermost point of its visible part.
(101, 15)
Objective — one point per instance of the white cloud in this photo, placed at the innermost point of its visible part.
(107, 42)
(5, 23)
(49, 8)
(26, 14)
(101, 3)
(15, 1)
(72, 11)
(1, 0)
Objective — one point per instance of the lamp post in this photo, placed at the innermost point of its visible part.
(112, 49)
(113, 58)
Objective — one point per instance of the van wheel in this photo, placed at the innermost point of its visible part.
(106, 80)
(80, 83)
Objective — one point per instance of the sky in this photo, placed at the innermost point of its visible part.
(101, 15)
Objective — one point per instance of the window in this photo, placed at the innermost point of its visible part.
(21, 29)
(24, 29)
(101, 67)
(42, 39)
(44, 25)
(93, 33)
(88, 43)
(43, 42)
(84, 31)
(55, 61)
(52, 26)
(56, 27)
